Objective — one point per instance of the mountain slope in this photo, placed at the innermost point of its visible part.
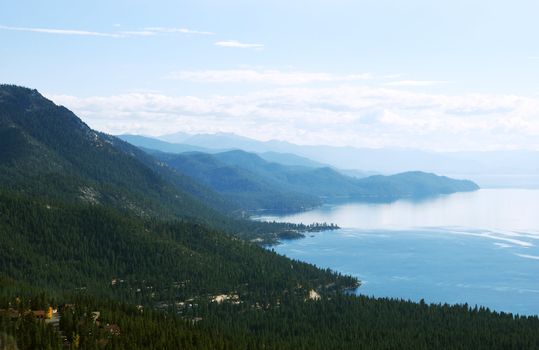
(48, 151)
(258, 184)
(158, 282)
(413, 184)
(52, 245)
(248, 189)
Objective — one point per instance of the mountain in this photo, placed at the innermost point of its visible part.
(216, 141)
(248, 189)
(100, 244)
(290, 159)
(413, 184)
(255, 183)
(151, 143)
(48, 152)
(53, 153)
(516, 168)
(127, 251)
(156, 144)
(321, 182)
(295, 160)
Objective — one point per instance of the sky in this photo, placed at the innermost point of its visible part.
(424, 74)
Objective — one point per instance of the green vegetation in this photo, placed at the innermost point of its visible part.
(46, 151)
(133, 258)
(238, 183)
(53, 245)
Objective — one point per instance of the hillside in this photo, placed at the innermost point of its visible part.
(62, 247)
(413, 184)
(48, 152)
(127, 250)
(53, 153)
(158, 282)
(256, 184)
(239, 184)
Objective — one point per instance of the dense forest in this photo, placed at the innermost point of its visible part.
(103, 247)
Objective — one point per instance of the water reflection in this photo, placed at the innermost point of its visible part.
(504, 209)
(480, 248)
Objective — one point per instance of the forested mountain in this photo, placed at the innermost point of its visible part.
(255, 183)
(239, 184)
(67, 246)
(128, 251)
(48, 151)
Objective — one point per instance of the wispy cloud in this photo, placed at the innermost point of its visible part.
(527, 256)
(145, 32)
(126, 33)
(61, 31)
(238, 45)
(262, 76)
(415, 83)
(177, 30)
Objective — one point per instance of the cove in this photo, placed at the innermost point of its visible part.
(480, 248)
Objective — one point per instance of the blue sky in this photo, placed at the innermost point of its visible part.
(422, 74)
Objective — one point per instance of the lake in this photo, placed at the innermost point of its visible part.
(480, 248)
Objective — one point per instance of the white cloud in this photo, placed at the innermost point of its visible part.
(61, 31)
(137, 33)
(262, 76)
(415, 83)
(238, 44)
(362, 116)
(149, 31)
(527, 256)
(177, 30)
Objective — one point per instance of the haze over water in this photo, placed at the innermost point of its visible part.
(480, 247)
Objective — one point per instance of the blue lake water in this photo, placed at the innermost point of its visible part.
(480, 248)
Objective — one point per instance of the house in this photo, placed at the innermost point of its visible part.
(43, 314)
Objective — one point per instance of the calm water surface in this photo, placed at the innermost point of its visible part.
(480, 248)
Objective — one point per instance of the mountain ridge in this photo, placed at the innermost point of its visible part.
(488, 168)
(246, 176)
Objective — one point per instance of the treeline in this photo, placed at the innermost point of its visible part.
(339, 322)
(101, 260)
(69, 247)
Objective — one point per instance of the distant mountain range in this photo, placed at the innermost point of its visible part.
(170, 147)
(256, 183)
(490, 168)
(47, 151)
